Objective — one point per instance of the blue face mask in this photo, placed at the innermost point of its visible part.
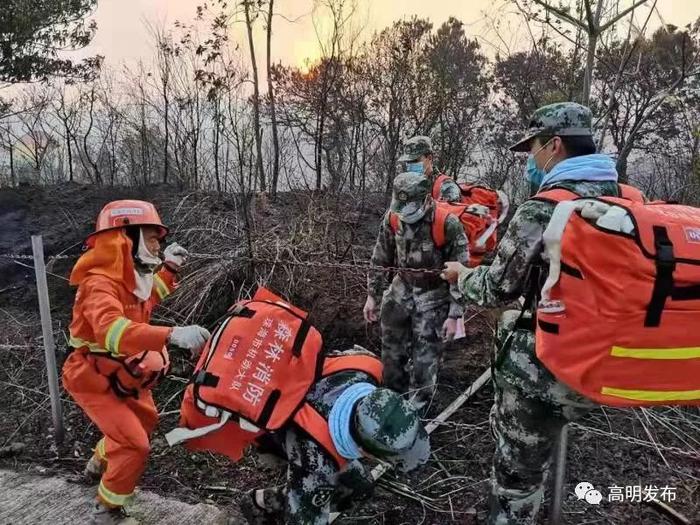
(414, 167)
(533, 174)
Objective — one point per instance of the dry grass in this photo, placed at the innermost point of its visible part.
(617, 446)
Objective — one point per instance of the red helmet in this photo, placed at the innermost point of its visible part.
(118, 214)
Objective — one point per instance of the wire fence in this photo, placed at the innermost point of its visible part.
(24, 257)
(349, 267)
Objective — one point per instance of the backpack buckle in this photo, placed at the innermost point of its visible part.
(204, 378)
(241, 310)
(664, 254)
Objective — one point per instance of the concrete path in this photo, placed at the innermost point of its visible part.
(34, 500)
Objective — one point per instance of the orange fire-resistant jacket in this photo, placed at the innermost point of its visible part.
(110, 324)
(107, 317)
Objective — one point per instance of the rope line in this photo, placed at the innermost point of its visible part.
(262, 260)
(320, 264)
(636, 441)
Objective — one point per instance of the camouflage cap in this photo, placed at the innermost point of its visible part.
(388, 427)
(410, 190)
(562, 119)
(416, 146)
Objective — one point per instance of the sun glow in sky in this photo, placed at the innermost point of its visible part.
(123, 36)
(304, 53)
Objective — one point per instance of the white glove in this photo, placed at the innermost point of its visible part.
(175, 256)
(191, 338)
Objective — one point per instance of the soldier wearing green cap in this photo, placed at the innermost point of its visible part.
(418, 311)
(417, 157)
(531, 406)
(365, 421)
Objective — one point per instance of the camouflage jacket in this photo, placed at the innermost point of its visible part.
(412, 246)
(521, 248)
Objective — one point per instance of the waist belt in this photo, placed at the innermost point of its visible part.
(124, 378)
(421, 279)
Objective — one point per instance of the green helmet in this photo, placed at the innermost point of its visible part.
(416, 146)
(410, 191)
(562, 119)
(388, 427)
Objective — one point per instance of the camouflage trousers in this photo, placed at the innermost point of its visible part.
(530, 408)
(315, 487)
(411, 347)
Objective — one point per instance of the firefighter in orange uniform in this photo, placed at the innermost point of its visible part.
(118, 356)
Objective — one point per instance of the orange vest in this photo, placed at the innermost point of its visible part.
(620, 323)
(258, 366)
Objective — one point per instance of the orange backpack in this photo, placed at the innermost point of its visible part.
(482, 238)
(481, 210)
(437, 231)
(253, 377)
(631, 193)
(618, 313)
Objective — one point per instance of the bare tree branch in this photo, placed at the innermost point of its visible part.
(560, 13)
(621, 15)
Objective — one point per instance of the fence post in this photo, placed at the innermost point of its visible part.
(47, 332)
(559, 476)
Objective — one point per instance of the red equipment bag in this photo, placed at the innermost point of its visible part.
(631, 193)
(253, 376)
(617, 320)
(265, 362)
(481, 210)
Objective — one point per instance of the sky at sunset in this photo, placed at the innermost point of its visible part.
(123, 37)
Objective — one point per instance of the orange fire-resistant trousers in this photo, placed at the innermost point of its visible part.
(127, 424)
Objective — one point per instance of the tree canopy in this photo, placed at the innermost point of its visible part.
(34, 33)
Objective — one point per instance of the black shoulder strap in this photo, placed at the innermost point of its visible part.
(532, 292)
(532, 288)
(663, 283)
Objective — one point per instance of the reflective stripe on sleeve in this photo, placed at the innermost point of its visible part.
(76, 342)
(114, 335)
(161, 288)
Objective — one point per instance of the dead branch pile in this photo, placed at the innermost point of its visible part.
(235, 253)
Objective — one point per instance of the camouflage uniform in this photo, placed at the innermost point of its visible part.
(531, 405)
(315, 484)
(417, 146)
(415, 306)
